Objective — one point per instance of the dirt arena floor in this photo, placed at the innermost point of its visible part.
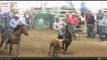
(37, 45)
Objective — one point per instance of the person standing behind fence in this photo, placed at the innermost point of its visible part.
(99, 16)
(90, 24)
(9, 16)
(27, 17)
(83, 9)
(101, 27)
(74, 23)
(32, 13)
(68, 18)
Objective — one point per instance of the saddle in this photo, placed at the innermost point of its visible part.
(66, 41)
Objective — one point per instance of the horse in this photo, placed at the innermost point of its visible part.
(14, 38)
(67, 39)
(56, 45)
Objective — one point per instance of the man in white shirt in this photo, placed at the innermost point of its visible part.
(14, 22)
(55, 25)
(59, 25)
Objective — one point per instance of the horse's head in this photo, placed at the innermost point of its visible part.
(24, 30)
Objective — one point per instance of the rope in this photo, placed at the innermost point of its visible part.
(22, 36)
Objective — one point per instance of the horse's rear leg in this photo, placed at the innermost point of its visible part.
(54, 51)
(6, 45)
(2, 41)
(66, 46)
(63, 45)
(18, 45)
(50, 49)
(10, 48)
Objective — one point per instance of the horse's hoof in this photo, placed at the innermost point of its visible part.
(5, 48)
(16, 56)
(49, 53)
(9, 54)
(64, 52)
(52, 54)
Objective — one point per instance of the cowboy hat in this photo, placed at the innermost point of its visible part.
(73, 14)
(17, 15)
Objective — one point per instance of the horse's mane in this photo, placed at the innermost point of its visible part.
(18, 27)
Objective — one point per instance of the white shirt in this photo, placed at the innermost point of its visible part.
(14, 23)
(55, 26)
(59, 25)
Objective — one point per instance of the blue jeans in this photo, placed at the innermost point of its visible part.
(74, 31)
(62, 30)
(31, 25)
(90, 30)
(101, 30)
(7, 32)
(28, 22)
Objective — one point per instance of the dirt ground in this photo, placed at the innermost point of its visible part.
(37, 45)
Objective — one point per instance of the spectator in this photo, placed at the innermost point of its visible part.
(53, 20)
(27, 17)
(102, 25)
(56, 14)
(90, 24)
(74, 23)
(68, 18)
(32, 13)
(11, 13)
(99, 16)
(83, 9)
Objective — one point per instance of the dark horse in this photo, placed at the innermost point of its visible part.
(15, 37)
(67, 39)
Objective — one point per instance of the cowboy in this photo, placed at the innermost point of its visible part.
(14, 23)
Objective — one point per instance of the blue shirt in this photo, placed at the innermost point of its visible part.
(102, 22)
(11, 14)
(83, 9)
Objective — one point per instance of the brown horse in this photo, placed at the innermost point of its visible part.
(14, 38)
(67, 35)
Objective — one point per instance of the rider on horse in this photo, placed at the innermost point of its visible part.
(14, 23)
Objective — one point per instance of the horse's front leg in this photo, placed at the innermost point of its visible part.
(66, 46)
(6, 45)
(2, 41)
(18, 45)
(10, 48)
(54, 51)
